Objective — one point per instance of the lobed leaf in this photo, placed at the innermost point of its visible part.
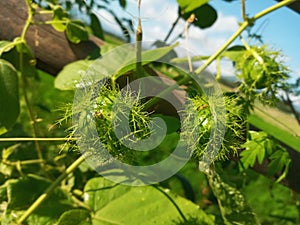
(256, 149)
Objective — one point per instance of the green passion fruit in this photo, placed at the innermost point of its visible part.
(260, 68)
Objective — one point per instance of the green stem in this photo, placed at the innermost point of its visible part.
(56, 183)
(25, 162)
(242, 27)
(139, 39)
(172, 28)
(24, 81)
(244, 15)
(28, 20)
(36, 139)
(272, 8)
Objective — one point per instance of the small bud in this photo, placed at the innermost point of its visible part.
(192, 18)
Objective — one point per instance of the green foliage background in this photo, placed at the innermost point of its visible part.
(39, 105)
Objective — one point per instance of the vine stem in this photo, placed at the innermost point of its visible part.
(172, 28)
(244, 15)
(50, 189)
(139, 39)
(186, 28)
(242, 27)
(28, 22)
(37, 139)
(213, 57)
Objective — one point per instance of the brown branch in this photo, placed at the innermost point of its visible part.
(51, 48)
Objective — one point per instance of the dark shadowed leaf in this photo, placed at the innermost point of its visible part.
(122, 3)
(22, 192)
(146, 205)
(206, 16)
(9, 96)
(96, 26)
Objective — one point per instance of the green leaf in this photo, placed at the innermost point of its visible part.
(273, 203)
(59, 19)
(206, 16)
(190, 5)
(255, 149)
(3, 193)
(75, 217)
(233, 205)
(76, 32)
(280, 159)
(29, 61)
(9, 96)
(71, 75)
(234, 53)
(122, 3)
(22, 192)
(118, 204)
(115, 63)
(6, 46)
(147, 57)
(7, 152)
(96, 26)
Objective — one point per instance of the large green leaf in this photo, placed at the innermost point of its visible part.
(114, 63)
(71, 75)
(147, 57)
(190, 5)
(118, 204)
(9, 96)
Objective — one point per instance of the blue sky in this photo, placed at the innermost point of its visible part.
(279, 29)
